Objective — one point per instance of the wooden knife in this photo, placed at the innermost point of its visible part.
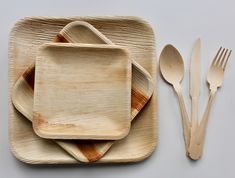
(195, 90)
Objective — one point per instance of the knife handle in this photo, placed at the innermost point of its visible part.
(185, 119)
(194, 127)
(194, 112)
(196, 145)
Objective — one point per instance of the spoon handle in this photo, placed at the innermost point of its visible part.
(197, 144)
(185, 119)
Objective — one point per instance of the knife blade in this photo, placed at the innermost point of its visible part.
(194, 93)
(195, 69)
(195, 85)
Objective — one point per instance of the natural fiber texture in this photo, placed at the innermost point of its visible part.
(82, 91)
(132, 33)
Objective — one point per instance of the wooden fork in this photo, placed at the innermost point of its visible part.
(214, 78)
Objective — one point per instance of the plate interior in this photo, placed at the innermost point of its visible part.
(82, 92)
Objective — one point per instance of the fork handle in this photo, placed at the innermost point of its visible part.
(196, 145)
(185, 119)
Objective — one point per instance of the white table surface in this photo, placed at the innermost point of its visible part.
(176, 22)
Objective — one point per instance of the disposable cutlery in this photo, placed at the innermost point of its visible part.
(214, 78)
(172, 69)
(195, 87)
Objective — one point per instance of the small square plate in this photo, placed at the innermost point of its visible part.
(82, 92)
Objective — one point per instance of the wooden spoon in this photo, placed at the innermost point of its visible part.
(172, 69)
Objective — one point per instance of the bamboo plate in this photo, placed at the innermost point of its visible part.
(130, 32)
(79, 31)
(87, 89)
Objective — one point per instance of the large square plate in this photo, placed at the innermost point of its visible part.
(28, 34)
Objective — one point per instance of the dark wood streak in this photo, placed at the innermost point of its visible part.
(38, 120)
(29, 76)
(87, 147)
(138, 100)
(60, 38)
(88, 150)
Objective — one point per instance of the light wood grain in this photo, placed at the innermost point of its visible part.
(142, 85)
(142, 90)
(172, 69)
(215, 78)
(28, 34)
(82, 91)
(195, 78)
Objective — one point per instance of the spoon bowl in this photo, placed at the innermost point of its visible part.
(171, 65)
(172, 69)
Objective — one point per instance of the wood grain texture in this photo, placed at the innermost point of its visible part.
(194, 85)
(87, 88)
(142, 85)
(215, 78)
(142, 89)
(172, 69)
(142, 137)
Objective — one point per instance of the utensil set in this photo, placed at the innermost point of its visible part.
(214, 78)
(172, 69)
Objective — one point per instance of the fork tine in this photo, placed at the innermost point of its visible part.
(215, 58)
(219, 57)
(226, 60)
(222, 59)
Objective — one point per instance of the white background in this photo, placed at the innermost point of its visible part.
(177, 22)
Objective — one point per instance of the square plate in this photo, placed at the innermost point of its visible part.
(131, 32)
(141, 90)
(82, 92)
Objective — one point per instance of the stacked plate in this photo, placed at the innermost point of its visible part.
(86, 85)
